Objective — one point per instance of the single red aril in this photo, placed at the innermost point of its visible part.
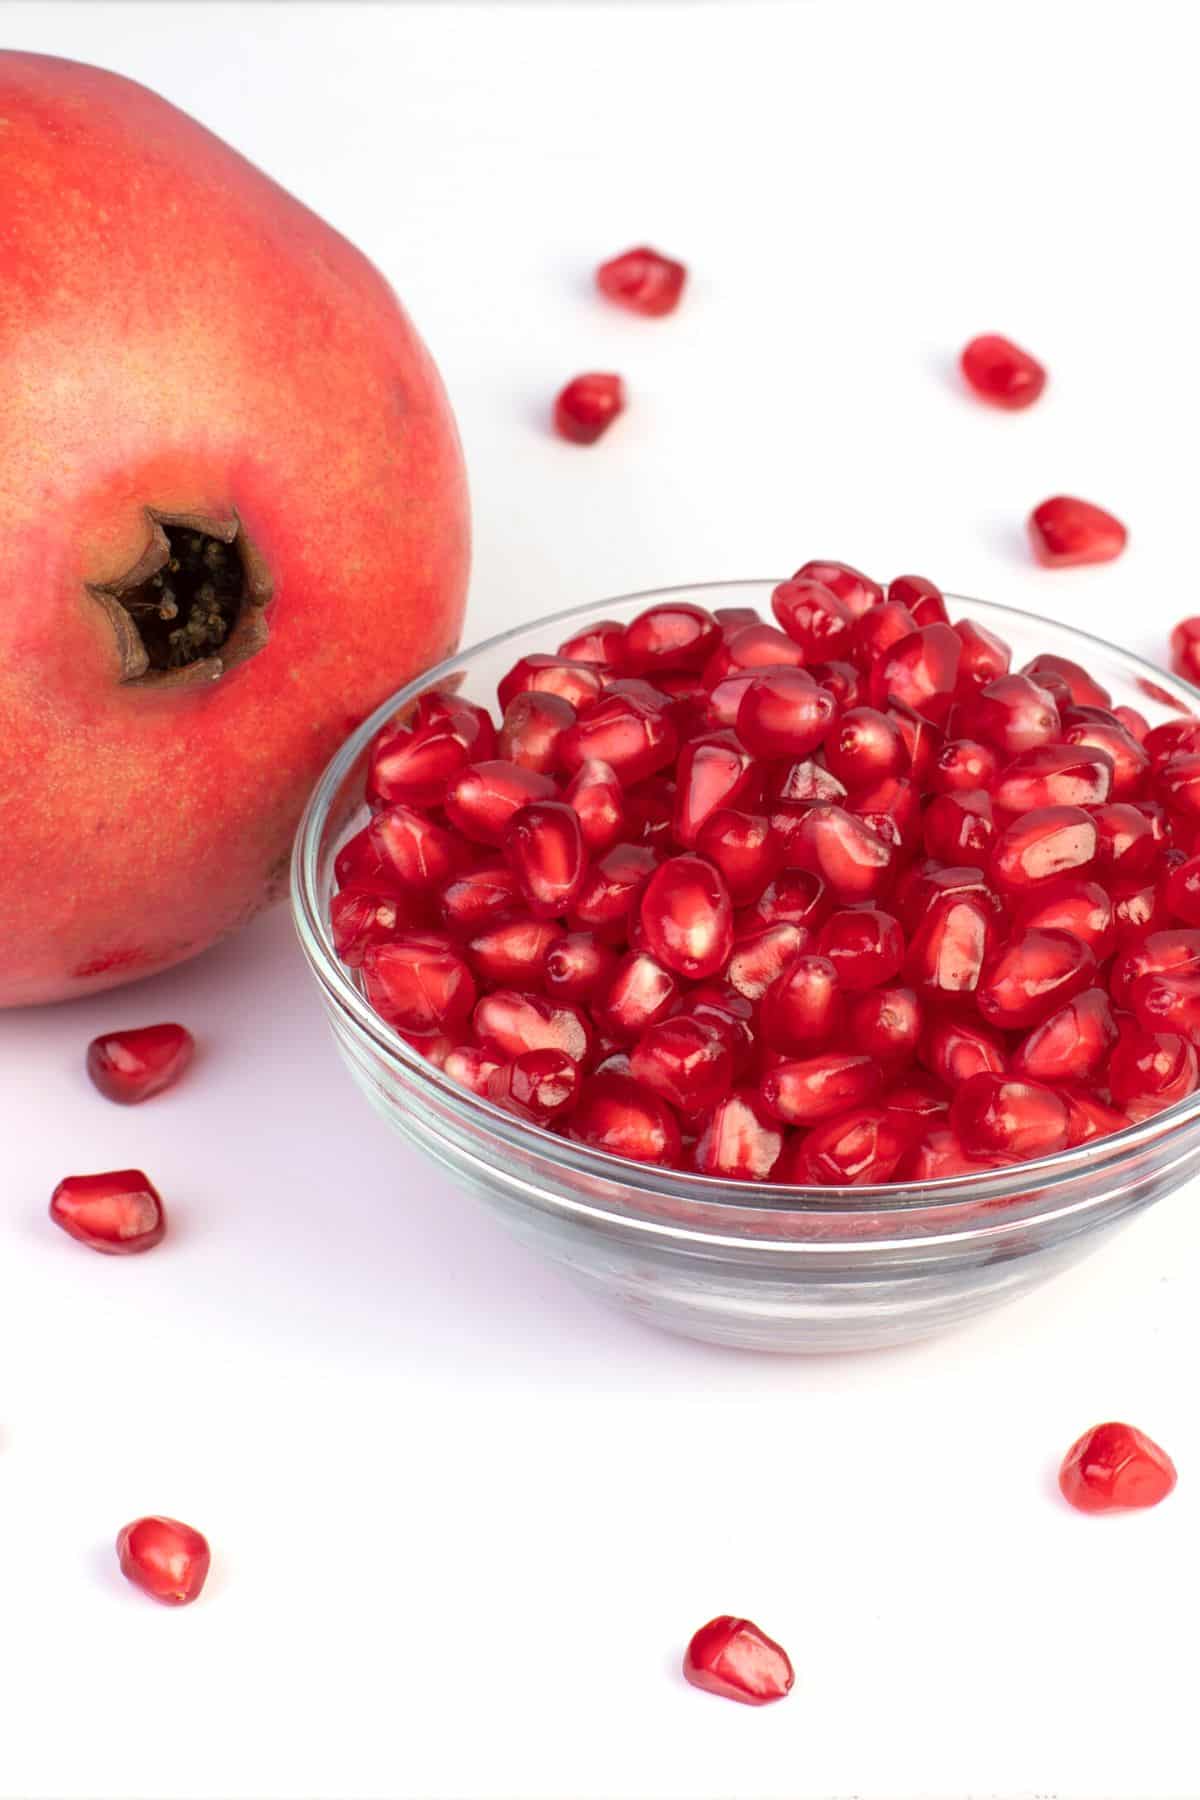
(958, 828)
(818, 1087)
(854, 589)
(1150, 1070)
(413, 766)
(360, 917)
(1031, 976)
(577, 965)
(1053, 775)
(814, 617)
(865, 747)
(924, 884)
(1173, 951)
(962, 764)
(538, 1085)
(892, 810)
(985, 657)
(1126, 847)
(853, 861)
(732, 618)
(1183, 891)
(946, 953)
(611, 888)
(742, 847)
(1002, 374)
(482, 896)
(1083, 909)
(560, 677)
(684, 1063)
(532, 728)
(1012, 713)
(470, 724)
(1138, 908)
(733, 1658)
(674, 634)
(130, 1066)
(738, 1140)
(419, 983)
(1115, 1466)
(587, 406)
(1043, 846)
(1068, 681)
(517, 1022)
(625, 730)
(512, 952)
(878, 630)
(784, 713)
(1166, 740)
(757, 646)
(842, 680)
(119, 1213)
(1177, 783)
(865, 946)
(922, 598)
(650, 814)
(922, 737)
(1168, 1003)
(359, 863)
(802, 1008)
(802, 781)
(687, 917)
(482, 800)
(728, 1013)
(417, 853)
(761, 954)
(638, 993)
(1089, 1117)
(602, 643)
(712, 772)
(1065, 531)
(795, 897)
(860, 1148)
(955, 1049)
(999, 1115)
(940, 1155)
(918, 1098)
(1185, 649)
(643, 280)
(1130, 763)
(617, 1114)
(165, 1558)
(543, 845)
(595, 793)
(1072, 1043)
(921, 671)
(472, 1067)
(885, 1022)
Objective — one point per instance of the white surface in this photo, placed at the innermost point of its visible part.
(463, 1518)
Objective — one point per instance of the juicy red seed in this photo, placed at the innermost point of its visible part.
(1045, 845)
(795, 896)
(759, 956)
(818, 1087)
(1168, 1003)
(470, 724)
(743, 848)
(1001, 373)
(1012, 713)
(672, 635)
(417, 853)
(532, 729)
(878, 630)
(595, 793)
(940, 1155)
(119, 1213)
(481, 897)
(1052, 775)
(1177, 783)
(414, 766)
(802, 1008)
(1126, 845)
(1052, 671)
(842, 680)
(471, 1066)
(419, 983)
(637, 994)
(1115, 1466)
(958, 828)
(1175, 951)
(537, 1085)
(611, 888)
(892, 810)
(998, 1115)
(1089, 1116)
(1083, 909)
(165, 1558)
(923, 600)
(1064, 531)
(962, 764)
(713, 772)
(576, 965)
(784, 713)
(985, 657)
(738, 1140)
(1130, 764)
(602, 643)
(557, 677)
(643, 280)
(921, 670)
(885, 1022)
(1031, 976)
(513, 952)
(953, 1050)
(687, 917)
(587, 406)
(361, 917)
(359, 863)
(1185, 649)
(854, 589)
(947, 952)
(733, 1658)
(130, 1066)
(684, 1063)
(543, 845)
(865, 747)
(482, 800)
(756, 646)
(859, 1148)
(922, 738)
(616, 1114)
(865, 946)
(1072, 1043)
(1150, 1070)
(803, 780)
(814, 617)
(1167, 740)
(1183, 891)
(923, 884)
(517, 1022)
(626, 731)
(853, 861)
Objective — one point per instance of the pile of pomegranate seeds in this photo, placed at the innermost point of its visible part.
(1115, 1467)
(120, 1213)
(1001, 373)
(129, 1066)
(733, 1658)
(165, 1558)
(837, 899)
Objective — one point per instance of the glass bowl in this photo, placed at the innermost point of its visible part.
(761, 1266)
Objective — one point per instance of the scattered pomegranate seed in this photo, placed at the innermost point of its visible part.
(165, 1558)
(1066, 531)
(1114, 1466)
(128, 1066)
(644, 281)
(733, 1658)
(587, 406)
(1185, 649)
(119, 1214)
(1002, 374)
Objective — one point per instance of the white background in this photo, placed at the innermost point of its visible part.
(463, 1518)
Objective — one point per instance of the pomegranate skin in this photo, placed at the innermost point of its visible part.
(151, 368)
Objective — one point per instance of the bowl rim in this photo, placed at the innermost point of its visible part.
(719, 1193)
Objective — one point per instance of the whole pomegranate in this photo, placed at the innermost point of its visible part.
(233, 518)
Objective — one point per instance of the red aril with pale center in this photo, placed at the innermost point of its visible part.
(733, 1658)
(855, 590)
(802, 1091)
(537, 1085)
(419, 983)
(814, 617)
(131, 1066)
(543, 844)
(119, 1213)
(738, 1140)
(687, 917)
(617, 1114)
(481, 801)
(1000, 1115)
(167, 1559)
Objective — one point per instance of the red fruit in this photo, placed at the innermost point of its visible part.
(985, 657)
(470, 724)
(1168, 1003)
(1150, 1070)
(1012, 714)
(1166, 740)
(517, 1022)
(800, 1093)
(795, 896)
(1071, 1044)
(481, 897)
(684, 1063)
(1089, 1117)
(1130, 764)
(1115, 1466)
(923, 885)
(1177, 783)
(165, 1558)
(359, 863)
(626, 731)
(803, 781)
(885, 1023)
(1065, 531)
(687, 917)
(962, 764)
(1174, 951)
(1001, 373)
(471, 1066)
(865, 747)
(360, 917)
(954, 1049)
(650, 814)
(637, 994)
(713, 772)
(1185, 649)
(1031, 976)
(533, 726)
(1126, 846)
(512, 952)
(814, 617)
(538, 1085)
(878, 630)
(1081, 908)
(419, 983)
(940, 1155)
(948, 950)
(743, 848)
(1183, 891)
(611, 888)
(865, 946)
(119, 1213)
(853, 861)
(133, 1065)
(892, 810)
(734, 1658)
(1053, 775)
(602, 643)
(559, 677)
(997, 1115)
(919, 1099)
(595, 793)
(761, 954)
(587, 406)
(674, 634)
(855, 1149)
(841, 678)
(958, 828)
(922, 737)
(413, 766)
(854, 589)
(482, 800)
(923, 600)
(416, 853)
(543, 845)
(1043, 846)
(784, 713)
(616, 1114)
(802, 1007)
(1067, 681)
(642, 280)
(207, 584)
(921, 671)
(738, 1140)
(577, 965)
(755, 646)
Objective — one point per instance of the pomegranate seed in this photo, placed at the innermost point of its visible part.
(1068, 681)
(1168, 1003)
(537, 1085)
(1126, 846)
(1031, 976)
(958, 828)
(1130, 764)
(761, 954)
(954, 1049)
(576, 966)
(813, 617)
(961, 764)
(999, 1115)
(1151, 1070)
(1088, 1116)
(922, 599)
(800, 1093)
(878, 630)
(472, 1067)
(713, 772)
(1053, 775)
(1000, 373)
(359, 863)
(616, 1114)
(360, 917)
(130, 1066)
(165, 1558)
(733, 1658)
(687, 917)
(802, 1007)
(919, 1099)
(738, 1141)
(795, 897)
(743, 848)
(672, 635)
(1081, 908)
(120, 1213)
(602, 643)
(892, 810)
(1183, 891)
(642, 280)
(419, 983)
(414, 766)
(482, 896)
(860, 1148)
(885, 1022)
(853, 861)
(784, 713)
(947, 952)
(417, 853)
(1065, 531)
(684, 1063)
(587, 406)
(940, 1155)
(611, 888)
(865, 747)
(533, 725)
(1138, 908)
(638, 994)
(543, 844)
(1175, 951)
(1012, 713)
(470, 724)
(482, 800)
(923, 885)
(756, 646)
(595, 794)
(625, 731)
(922, 737)
(842, 680)
(1071, 1043)
(865, 946)
(517, 1022)
(574, 683)
(985, 657)
(513, 952)
(1185, 649)
(1115, 1466)
(854, 589)
(728, 1013)
(650, 814)
(921, 670)
(1043, 846)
